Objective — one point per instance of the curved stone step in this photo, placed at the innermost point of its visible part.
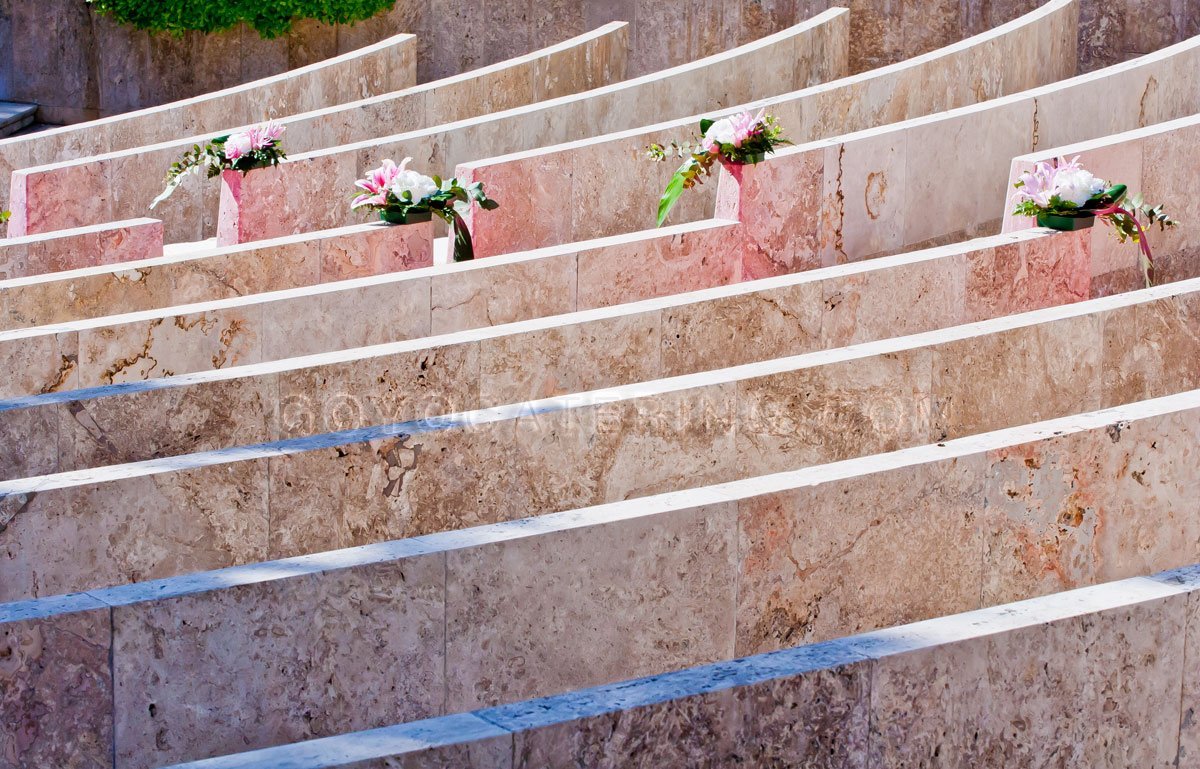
(817, 48)
(1005, 53)
(103, 244)
(551, 353)
(856, 187)
(386, 66)
(193, 275)
(502, 613)
(1103, 667)
(125, 523)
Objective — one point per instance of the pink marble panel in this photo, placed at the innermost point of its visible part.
(72, 249)
(535, 204)
(1030, 275)
(783, 233)
(56, 688)
(378, 250)
(296, 196)
(58, 199)
(645, 269)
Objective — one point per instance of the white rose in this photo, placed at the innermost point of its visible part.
(721, 131)
(1077, 186)
(419, 185)
(237, 146)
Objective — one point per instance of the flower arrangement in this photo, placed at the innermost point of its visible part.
(1063, 195)
(741, 139)
(404, 196)
(257, 147)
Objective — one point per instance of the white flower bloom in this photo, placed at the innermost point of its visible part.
(1077, 185)
(419, 185)
(721, 132)
(237, 146)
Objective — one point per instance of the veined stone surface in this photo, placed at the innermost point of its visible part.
(686, 333)
(326, 482)
(925, 517)
(587, 61)
(360, 486)
(88, 246)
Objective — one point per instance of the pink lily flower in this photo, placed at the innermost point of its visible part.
(377, 182)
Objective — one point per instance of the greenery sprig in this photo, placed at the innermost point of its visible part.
(740, 139)
(270, 18)
(258, 147)
(403, 196)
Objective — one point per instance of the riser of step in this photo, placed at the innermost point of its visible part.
(237, 506)
(683, 334)
(745, 568)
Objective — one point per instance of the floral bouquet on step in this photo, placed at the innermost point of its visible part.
(1063, 195)
(741, 139)
(403, 196)
(257, 147)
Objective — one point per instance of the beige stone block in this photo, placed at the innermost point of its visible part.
(590, 606)
(266, 661)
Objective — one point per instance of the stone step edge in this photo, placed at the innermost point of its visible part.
(507, 720)
(334, 560)
(350, 355)
(626, 392)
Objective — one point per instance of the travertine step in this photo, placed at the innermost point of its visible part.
(14, 117)
(880, 190)
(323, 104)
(816, 51)
(1050, 30)
(331, 316)
(632, 588)
(1096, 676)
(165, 517)
(193, 274)
(585, 350)
(103, 244)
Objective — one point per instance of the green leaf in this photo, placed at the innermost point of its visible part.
(705, 124)
(670, 196)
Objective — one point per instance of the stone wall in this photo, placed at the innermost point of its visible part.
(1160, 161)
(126, 523)
(87, 67)
(1091, 677)
(745, 568)
(564, 352)
(815, 48)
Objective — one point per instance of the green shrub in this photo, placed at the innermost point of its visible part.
(271, 18)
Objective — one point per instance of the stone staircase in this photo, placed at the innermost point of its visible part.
(847, 467)
(16, 117)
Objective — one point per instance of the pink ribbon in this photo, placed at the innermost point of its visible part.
(1143, 241)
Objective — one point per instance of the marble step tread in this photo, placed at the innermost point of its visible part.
(15, 116)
